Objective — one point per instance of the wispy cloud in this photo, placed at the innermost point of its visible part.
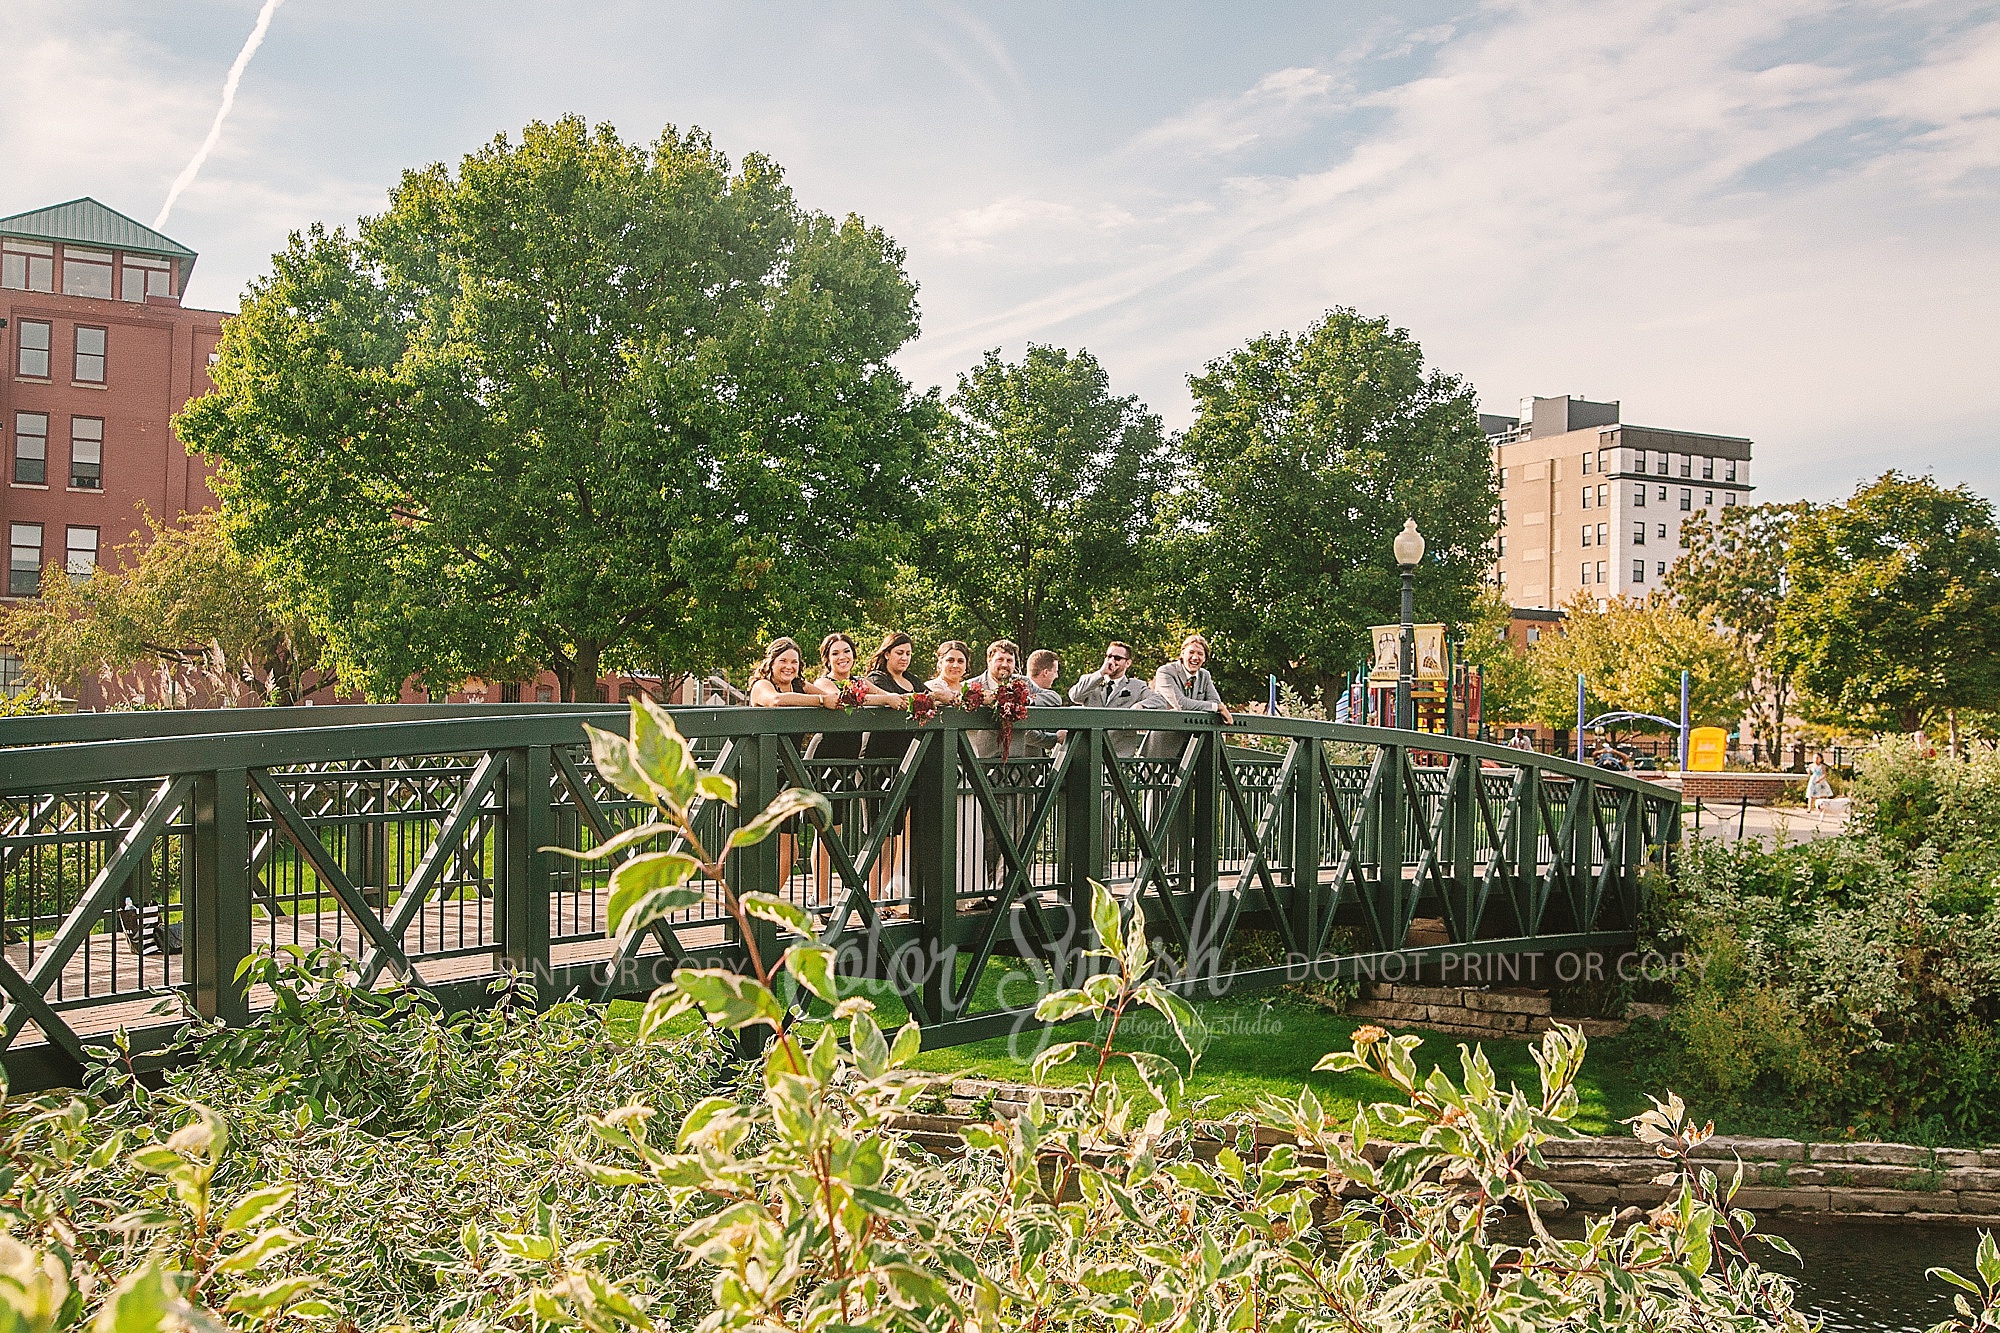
(1282, 103)
(235, 77)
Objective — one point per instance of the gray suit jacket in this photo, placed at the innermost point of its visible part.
(1186, 693)
(986, 744)
(1097, 690)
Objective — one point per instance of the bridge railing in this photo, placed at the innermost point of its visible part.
(144, 856)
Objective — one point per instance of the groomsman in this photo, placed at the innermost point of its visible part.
(1113, 686)
(1043, 667)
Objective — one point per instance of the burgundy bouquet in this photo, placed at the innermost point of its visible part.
(853, 695)
(1009, 702)
(923, 706)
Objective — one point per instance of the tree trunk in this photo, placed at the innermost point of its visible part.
(583, 686)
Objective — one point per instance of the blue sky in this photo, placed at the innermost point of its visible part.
(1777, 219)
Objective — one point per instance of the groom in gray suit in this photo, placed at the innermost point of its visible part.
(1113, 686)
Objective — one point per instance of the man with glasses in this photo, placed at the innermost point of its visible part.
(1113, 686)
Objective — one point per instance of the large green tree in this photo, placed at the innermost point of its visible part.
(1733, 575)
(1041, 486)
(580, 402)
(1631, 655)
(1307, 452)
(1892, 617)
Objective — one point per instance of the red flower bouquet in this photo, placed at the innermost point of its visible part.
(1009, 702)
(923, 706)
(853, 695)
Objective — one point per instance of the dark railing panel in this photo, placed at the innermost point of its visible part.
(145, 855)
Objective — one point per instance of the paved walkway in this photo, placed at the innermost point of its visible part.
(1772, 825)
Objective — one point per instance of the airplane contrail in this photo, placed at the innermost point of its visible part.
(188, 173)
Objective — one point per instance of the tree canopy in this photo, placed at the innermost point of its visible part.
(1041, 500)
(580, 403)
(1893, 612)
(1733, 575)
(1306, 454)
(1631, 655)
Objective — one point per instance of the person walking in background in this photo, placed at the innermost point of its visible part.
(1113, 686)
(1818, 786)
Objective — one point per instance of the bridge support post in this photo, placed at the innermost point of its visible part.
(1310, 905)
(1527, 851)
(1391, 801)
(1086, 811)
(934, 861)
(1464, 847)
(522, 889)
(218, 937)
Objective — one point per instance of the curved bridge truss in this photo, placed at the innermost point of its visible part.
(144, 856)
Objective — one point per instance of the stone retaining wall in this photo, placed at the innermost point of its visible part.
(1835, 1180)
(1506, 1015)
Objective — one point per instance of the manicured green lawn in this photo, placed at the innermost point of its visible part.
(1265, 1045)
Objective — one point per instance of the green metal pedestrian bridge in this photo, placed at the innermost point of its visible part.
(146, 855)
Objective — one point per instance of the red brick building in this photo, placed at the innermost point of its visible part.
(99, 355)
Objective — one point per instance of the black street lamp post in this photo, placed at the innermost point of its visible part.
(1409, 546)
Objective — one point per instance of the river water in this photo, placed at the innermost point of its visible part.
(1868, 1277)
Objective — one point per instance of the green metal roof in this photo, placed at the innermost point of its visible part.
(86, 222)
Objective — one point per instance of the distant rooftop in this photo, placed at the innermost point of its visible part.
(86, 222)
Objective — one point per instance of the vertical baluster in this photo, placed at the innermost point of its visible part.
(934, 837)
(1309, 900)
(521, 890)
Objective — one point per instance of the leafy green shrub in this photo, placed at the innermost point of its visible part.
(1853, 981)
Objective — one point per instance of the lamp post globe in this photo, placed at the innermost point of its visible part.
(1409, 547)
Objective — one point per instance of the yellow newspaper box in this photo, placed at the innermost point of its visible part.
(1707, 748)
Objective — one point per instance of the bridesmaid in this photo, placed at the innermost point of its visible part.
(889, 672)
(778, 682)
(840, 748)
(953, 659)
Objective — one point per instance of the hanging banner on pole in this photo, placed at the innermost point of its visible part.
(1388, 639)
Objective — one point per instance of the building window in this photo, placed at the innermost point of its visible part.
(544, 694)
(1601, 577)
(31, 449)
(1534, 634)
(1663, 495)
(1660, 568)
(1728, 499)
(24, 559)
(1662, 468)
(13, 676)
(1639, 534)
(1604, 534)
(1500, 544)
(142, 276)
(1639, 497)
(1586, 571)
(1708, 469)
(1603, 495)
(1586, 497)
(1603, 460)
(1687, 499)
(33, 358)
(1708, 499)
(86, 453)
(27, 266)
(80, 552)
(1729, 470)
(1638, 460)
(1586, 534)
(89, 355)
(86, 272)
(1638, 571)
(1501, 578)
(1503, 478)
(1503, 511)
(1586, 465)
(1663, 532)
(1687, 465)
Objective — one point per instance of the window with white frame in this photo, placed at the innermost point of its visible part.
(86, 272)
(24, 559)
(141, 276)
(1729, 470)
(1586, 464)
(1602, 565)
(1728, 499)
(1586, 534)
(80, 552)
(1587, 493)
(1638, 534)
(1708, 469)
(89, 355)
(27, 266)
(1638, 571)
(31, 357)
(31, 449)
(1687, 465)
(1639, 496)
(13, 674)
(1664, 458)
(1687, 500)
(86, 453)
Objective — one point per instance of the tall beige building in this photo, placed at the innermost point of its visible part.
(1590, 504)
